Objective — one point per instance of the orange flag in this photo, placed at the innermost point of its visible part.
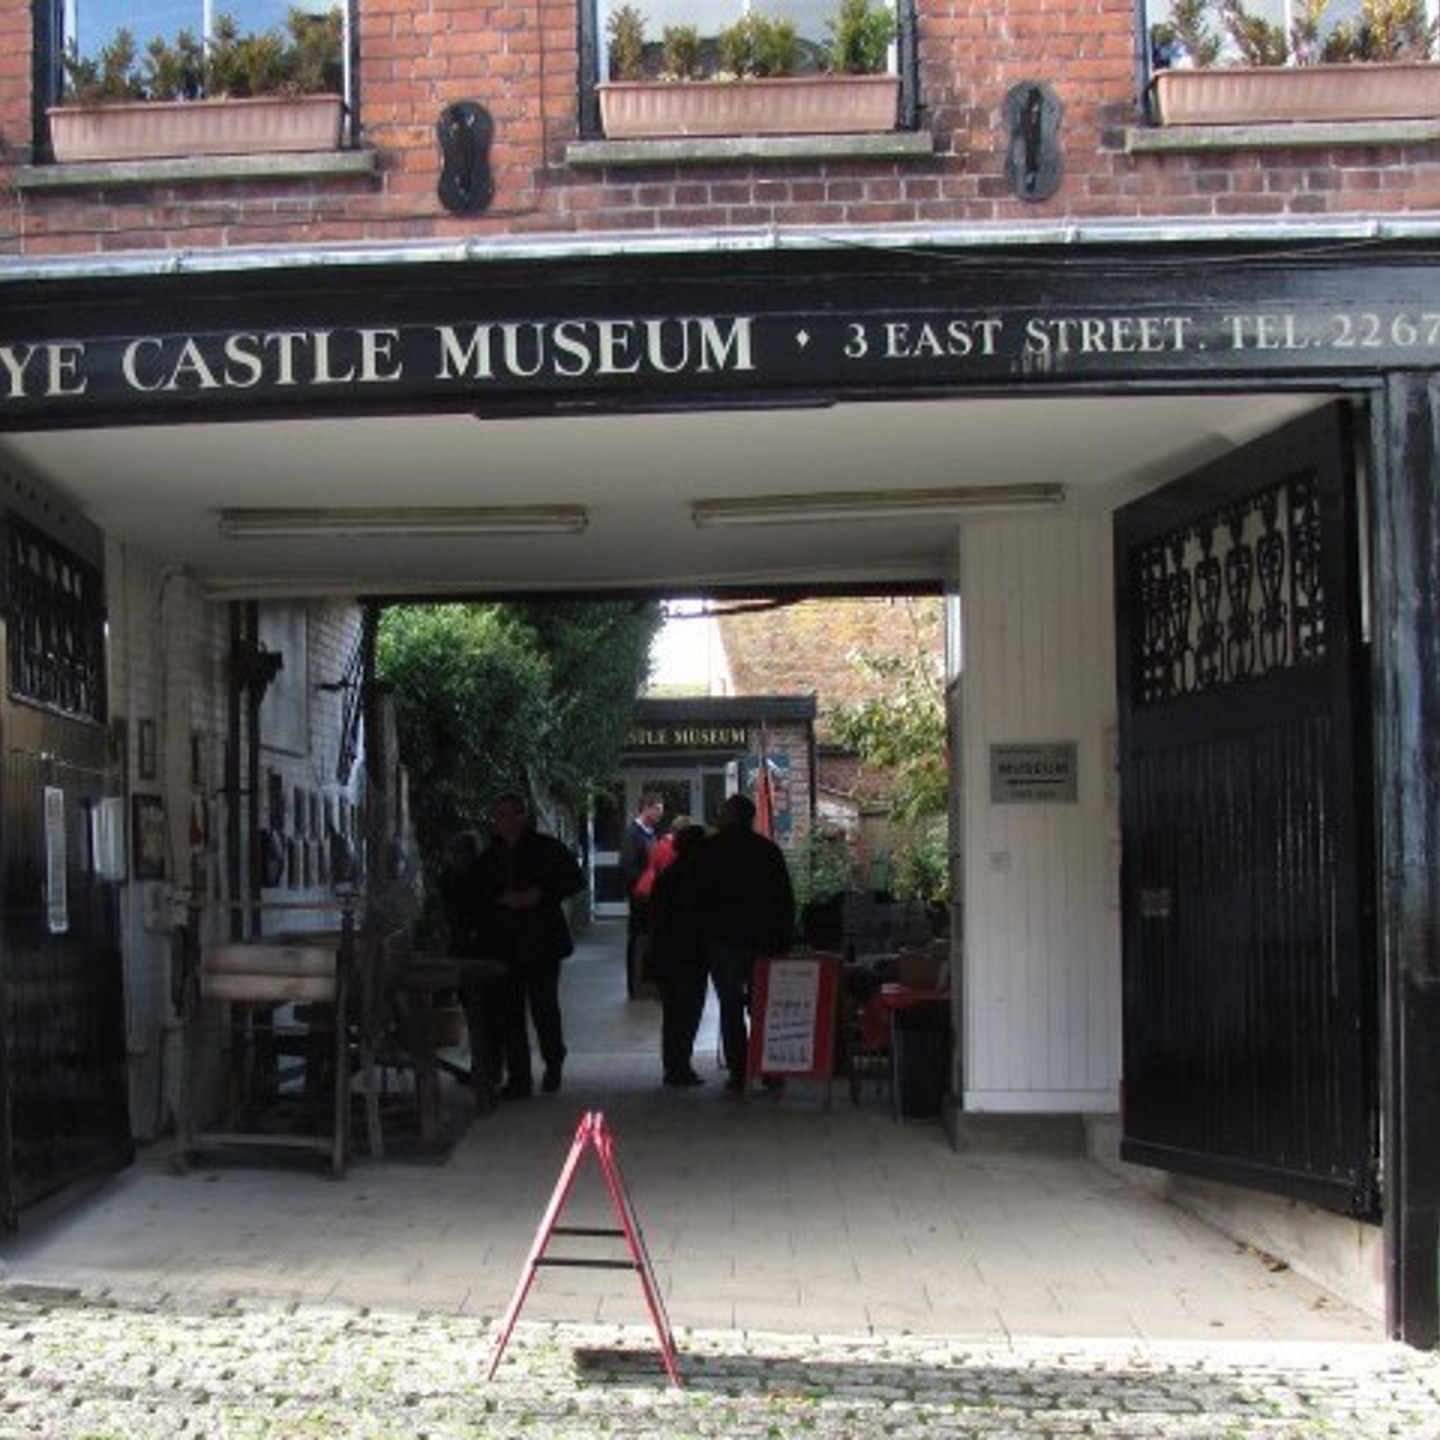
(764, 793)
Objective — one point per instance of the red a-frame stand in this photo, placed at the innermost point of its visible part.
(592, 1134)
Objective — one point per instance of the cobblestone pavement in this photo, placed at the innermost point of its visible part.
(110, 1368)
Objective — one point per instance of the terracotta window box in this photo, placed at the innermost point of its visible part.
(1256, 95)
(795, 105)
(155, 129)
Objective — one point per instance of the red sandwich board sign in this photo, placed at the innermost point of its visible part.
(592, 1136)
(792, 1017)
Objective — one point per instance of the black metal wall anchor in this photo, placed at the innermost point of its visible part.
(1032, 118)
(464, 132)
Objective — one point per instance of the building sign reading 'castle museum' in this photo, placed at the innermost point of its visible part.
(612, 356)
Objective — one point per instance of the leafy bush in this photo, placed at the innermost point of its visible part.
(822, 865)
(901, 728)
(758, 46)
(920, 864)
(681, 48)
(626, 28)
(1383, 30)
(472, 708)
(111, 75)
(861, 35)
(536, 696)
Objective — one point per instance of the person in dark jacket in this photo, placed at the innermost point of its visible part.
(521, 882)
(746, 908)
(678, 951)
(482, 993)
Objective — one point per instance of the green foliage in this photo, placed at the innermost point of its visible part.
(626, 28)
(534, 696)
(822, 865)
(110, 75)
(758, 46)
(680, 45)
(902, 730)
(599, 656)
(1190, 21)
(305, 61)
(174, 72)
(472, 708)
(1385, 30)
(861, 35)
(1258, 40)
(1307, 20)
(315, 52)
(489, 697)
(920, 863)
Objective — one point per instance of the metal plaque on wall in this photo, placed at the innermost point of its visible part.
(1034, 774)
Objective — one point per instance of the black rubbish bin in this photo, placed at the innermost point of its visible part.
(920, 1054)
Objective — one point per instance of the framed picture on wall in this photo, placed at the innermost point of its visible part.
(148, 837)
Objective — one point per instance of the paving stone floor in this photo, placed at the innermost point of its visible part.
(833, 1274)
(107, 1369)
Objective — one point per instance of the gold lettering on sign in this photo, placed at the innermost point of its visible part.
(687, 737)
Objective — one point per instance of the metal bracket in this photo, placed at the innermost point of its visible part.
(1033, 165)
(464, 132)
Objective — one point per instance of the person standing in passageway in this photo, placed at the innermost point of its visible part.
(635, 846)
(481, 995)
(746, 908)
(678, 949)
(522, 881)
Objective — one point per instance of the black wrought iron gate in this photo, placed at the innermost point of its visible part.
(64, 1102)
(1249, 1001)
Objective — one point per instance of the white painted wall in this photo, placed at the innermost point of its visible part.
(1041, 1002)
(168, 666)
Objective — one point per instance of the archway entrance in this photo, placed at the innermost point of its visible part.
(701, 424)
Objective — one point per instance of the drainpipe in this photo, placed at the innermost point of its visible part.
(377, 763)
(233, 829)
(254, 694)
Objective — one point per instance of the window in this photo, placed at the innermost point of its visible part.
(90, 25)
(312, 58)
(1285, 24)
(710, 17)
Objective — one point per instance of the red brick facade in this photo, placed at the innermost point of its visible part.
(521, 62)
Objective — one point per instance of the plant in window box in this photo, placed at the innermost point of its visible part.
(241, 94)
(757, 77)
(1377, 66)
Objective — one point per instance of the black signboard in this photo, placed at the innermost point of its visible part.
(493, 339)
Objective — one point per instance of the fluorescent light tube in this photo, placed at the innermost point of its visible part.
(834, 505)
(386, 522)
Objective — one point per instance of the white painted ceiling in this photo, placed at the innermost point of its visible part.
(162, 487)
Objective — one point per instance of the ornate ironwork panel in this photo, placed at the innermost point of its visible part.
(1233, 595)
(56, 607)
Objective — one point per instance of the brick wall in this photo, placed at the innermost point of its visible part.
(788, 745)
(520, 60)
